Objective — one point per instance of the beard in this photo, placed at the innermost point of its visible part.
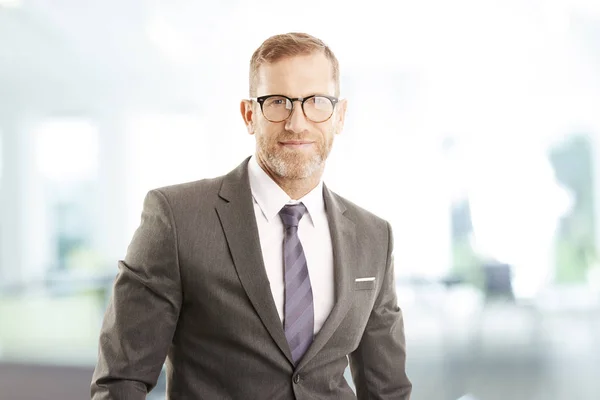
(292, 164)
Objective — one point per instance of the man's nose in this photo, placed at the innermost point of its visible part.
(297, 121)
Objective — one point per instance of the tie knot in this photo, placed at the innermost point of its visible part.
(291, 214)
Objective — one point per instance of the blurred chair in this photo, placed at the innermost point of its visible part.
(503, 310)
(497, 281)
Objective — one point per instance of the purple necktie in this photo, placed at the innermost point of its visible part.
(298, 320)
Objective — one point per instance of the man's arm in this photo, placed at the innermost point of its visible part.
(142, 315)
(378, 365)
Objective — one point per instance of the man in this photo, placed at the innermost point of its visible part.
(262, 283)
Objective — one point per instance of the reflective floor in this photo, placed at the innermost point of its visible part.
(505, 351)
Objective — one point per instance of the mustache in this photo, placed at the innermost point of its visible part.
(287, 136)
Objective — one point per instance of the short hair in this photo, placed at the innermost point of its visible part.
(286, 45)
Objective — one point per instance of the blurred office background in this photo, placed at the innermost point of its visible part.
(473, 126)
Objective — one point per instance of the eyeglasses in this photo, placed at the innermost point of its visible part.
(278, 108)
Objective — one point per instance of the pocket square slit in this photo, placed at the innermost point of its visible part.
(368, 279)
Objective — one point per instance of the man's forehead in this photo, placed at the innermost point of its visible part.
(298, 76)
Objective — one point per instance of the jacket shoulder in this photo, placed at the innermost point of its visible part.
(359, 214)
(182, 197)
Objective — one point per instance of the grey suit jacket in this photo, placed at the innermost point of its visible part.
(193, 289)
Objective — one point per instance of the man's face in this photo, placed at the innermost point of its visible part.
(297, 147)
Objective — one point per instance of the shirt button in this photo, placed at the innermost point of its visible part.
(296, 378)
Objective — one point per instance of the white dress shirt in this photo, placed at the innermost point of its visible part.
(314, 234)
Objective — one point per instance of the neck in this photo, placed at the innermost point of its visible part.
(296, 188)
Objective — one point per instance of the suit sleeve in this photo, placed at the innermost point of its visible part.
(378, 365)
(142, 314)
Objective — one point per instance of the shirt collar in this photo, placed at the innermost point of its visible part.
(271, 198)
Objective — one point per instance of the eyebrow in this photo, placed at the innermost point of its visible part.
(295, 97)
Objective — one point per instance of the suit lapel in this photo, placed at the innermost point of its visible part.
(236, 213)
(343, 238)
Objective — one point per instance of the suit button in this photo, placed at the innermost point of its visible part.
(296, 378)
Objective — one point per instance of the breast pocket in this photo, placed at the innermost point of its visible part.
(368, 284)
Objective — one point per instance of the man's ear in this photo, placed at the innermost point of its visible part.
(340, 116)
(247, 110)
